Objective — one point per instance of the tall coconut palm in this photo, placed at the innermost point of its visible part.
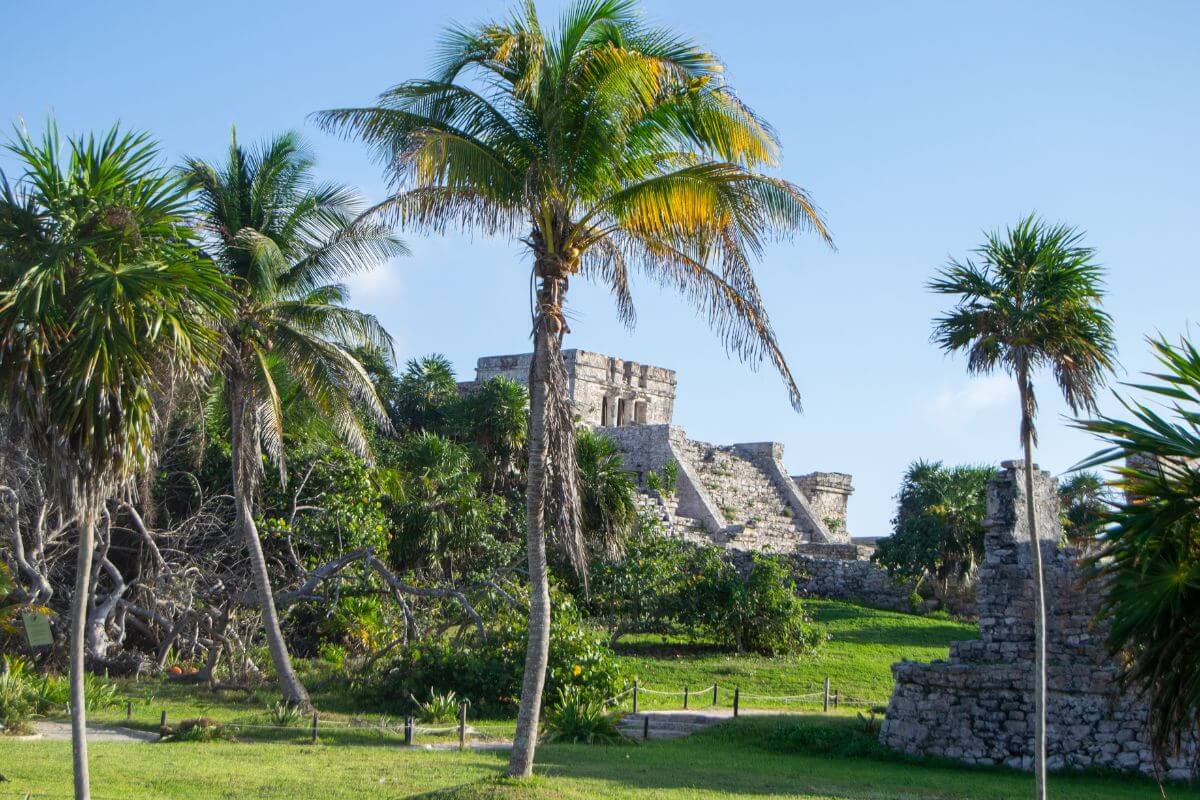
(280, 238)
(1031, 302)
(102, 298)
(606, 145)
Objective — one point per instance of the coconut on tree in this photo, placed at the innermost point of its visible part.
(607, 146)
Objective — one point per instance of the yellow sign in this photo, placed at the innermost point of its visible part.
(37, 629)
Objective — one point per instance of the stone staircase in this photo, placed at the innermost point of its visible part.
(667, 724)
(756, 511)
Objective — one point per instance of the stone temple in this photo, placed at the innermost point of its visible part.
(738, 496)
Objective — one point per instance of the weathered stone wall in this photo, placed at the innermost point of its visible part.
(603, 390)
(828, 493)
(978, 706)
(843, 572)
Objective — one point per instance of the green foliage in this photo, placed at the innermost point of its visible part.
(101, 295)
(758, 612)
(1032, 301)
(578, 717)
(426, 392)
(666, 585)
(1149, 560)
(606, 493)
(493, 420)
(438, 707)
(1084, 499)
(283, 714)
(488, 674)
(938, 527)
(200, 729)
(664, 481)
(441, 511)
(17, 703)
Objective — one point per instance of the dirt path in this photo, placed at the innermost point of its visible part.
(56, 731)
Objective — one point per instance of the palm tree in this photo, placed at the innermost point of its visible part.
(1149, 555)
(280, 238)
(426, 391)
(1032, 302)
(606, 492)
(102, 298)
(1084, 499)
(606, 145)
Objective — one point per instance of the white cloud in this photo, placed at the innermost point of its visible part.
(960, 404)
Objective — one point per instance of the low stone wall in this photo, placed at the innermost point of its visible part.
(977, 706)
(845, 572)
(842, 572)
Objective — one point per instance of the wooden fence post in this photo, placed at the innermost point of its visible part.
(825, 704)
(737, 696)
(314, 728)
(408, 730)
(714, 694)
(645, 727)
(635, 695)
(162, 722)
(686, 694)
(462, 726)
(128, 709)
(835, 698)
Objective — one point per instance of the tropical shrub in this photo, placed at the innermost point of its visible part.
(756, 612)
(664, 585)
(438, 707)
(1084, 499)
(1149, 555)
(488, 673)
(283, 714)
(200, 729)
(16, 702)
(578, 717)
(937, 533)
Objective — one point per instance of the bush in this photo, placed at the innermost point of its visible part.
(664, 586)
(201, 729)
(16, 703)
(759, 612)
(440, 707)
(488, 674)
(577, 717)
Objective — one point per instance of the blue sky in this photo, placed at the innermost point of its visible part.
(914, 125)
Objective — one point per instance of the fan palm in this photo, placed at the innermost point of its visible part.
(280, 238)
(607, 146)
(1149, 555)
(102, 298)
(606, 492)
(1031, 302)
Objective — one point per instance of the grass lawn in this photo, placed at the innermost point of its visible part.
(804, 756)
(762, 757)
(857, 660)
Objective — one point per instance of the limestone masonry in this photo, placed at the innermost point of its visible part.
(738, 496)
(978, 705)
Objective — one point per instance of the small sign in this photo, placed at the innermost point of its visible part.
(37, 629)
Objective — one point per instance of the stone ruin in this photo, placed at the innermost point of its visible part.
(977, 706)
(738, 496)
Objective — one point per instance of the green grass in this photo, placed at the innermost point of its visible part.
(762, 757)
(857, 660)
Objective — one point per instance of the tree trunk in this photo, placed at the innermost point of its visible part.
(79, 610)
(537, 651)
(246, 466)
(1039, 592)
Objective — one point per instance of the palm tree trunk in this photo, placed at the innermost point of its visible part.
(79, 612)
(1039, 592)
(246, 464)
(537, 651)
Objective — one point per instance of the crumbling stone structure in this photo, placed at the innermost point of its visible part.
(977, 707)
(737, 496)
(604, 390)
